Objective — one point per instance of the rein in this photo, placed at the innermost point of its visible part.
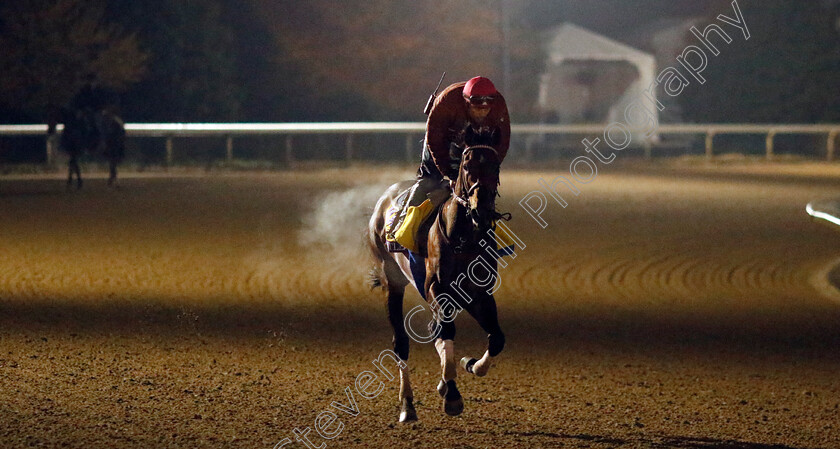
(463, 201)
(461, 197)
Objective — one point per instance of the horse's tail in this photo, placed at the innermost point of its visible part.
(375, 274)
(375, 278)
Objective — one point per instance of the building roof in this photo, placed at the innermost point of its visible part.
(569, 41)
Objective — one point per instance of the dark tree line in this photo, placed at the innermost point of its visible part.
(196, 60)
(192, 71)
(255, 60)
(269, 60)
(50, 47)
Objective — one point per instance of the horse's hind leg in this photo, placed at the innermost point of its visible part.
(484, 311)
(116, 152)
(78, 174)
(395, 317)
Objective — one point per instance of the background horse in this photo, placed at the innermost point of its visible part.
(452, 251)
(83, 135)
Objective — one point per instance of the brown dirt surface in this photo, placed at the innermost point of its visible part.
(668, 306)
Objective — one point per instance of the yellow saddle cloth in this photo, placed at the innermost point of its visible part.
(406, 235)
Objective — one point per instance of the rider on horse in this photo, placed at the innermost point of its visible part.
(91, 102)
(476, 104)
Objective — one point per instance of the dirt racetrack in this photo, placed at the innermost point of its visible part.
(668, 306)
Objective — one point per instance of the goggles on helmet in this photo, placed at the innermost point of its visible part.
(480, 100)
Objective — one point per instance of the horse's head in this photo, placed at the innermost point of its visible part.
(478, 176)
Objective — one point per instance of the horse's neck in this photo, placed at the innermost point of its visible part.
(453, 214)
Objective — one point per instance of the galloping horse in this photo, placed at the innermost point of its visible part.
(453, 249)
(81, 134)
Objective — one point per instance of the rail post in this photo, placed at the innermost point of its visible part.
(348, 148)
(52, 141)
(229, 149)
(290, 156)
(169, 151)
(832, 139)
(528, 154)
(710, 137)
(768, 144)
(409, 150)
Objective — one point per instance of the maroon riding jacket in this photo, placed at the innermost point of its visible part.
(449, 117)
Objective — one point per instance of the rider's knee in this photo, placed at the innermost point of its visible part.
(420, 190)
(496, 342)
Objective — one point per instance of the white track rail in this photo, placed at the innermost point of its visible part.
(230, 130)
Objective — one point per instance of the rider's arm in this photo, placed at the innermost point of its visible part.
(503, 122)
(437, 129)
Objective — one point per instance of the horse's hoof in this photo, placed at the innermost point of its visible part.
(467, 363)
(407, 412)
(454, 408)
(453, 403)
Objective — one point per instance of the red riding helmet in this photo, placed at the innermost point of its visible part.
(479, 90)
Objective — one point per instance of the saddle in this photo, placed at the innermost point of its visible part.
(404, 224)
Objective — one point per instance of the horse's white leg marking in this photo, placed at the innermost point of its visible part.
(483, 365)
(407, 411)
(405, 383)
(446, 351)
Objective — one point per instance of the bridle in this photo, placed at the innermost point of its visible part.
(463, 180)
(469, 189)
(463, 197)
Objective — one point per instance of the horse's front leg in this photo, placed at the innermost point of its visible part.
(453, 403)
(112, 177)
(484, 311)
